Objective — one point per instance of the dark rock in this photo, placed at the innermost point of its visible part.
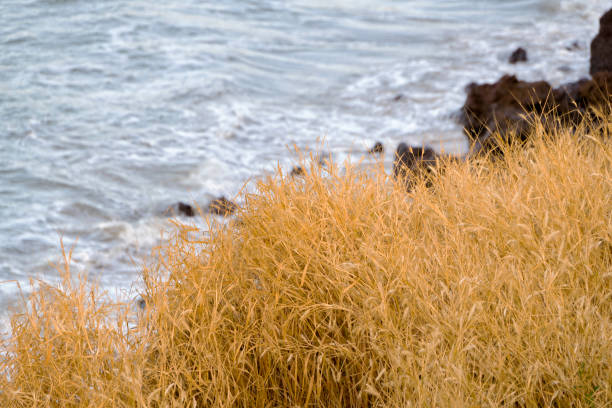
(510, 107)
(468, 88)
(595, 92)
(415, 160)
(222, 206)
(601, 46)
(378, 148)
(185, 209)
(297, 171)
(398, 97)
(519, 55)
(578, 100)
(573, 46)
(489, 107)
(412, 158)
(141, 303)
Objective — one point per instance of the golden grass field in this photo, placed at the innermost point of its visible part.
(491, 288)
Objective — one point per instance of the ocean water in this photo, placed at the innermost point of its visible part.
(111, 111)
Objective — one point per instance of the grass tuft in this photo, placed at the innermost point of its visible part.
(491, 287)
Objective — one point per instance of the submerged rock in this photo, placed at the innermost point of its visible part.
(519, 55)
(601, 46)
(222, 206)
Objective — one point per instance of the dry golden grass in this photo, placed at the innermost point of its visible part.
(70, 347)
(491, 288)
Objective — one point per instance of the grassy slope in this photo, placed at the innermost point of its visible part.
(491, 288)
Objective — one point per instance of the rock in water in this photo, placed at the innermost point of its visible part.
(412, 158)
(511, 107)
(601, 47)
(222, 206)
(297, 171)
(500, 105)
(185, 209)
(519, 55)
(378, 148)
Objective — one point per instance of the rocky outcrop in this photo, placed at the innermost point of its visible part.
(519, 55)
(510, 107)
(601, 46)
(590, 93)
(501, 105)
(222, 206)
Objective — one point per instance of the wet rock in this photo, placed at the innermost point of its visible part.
(510, 107)
(601, 46)
(222, 206)
(578, 100)
(185, 209)
(412, 158)
(411, 161)
(519, 55)
(490, 107)
(297, 171)
(378, 148)
(423, 160)
(594, 92)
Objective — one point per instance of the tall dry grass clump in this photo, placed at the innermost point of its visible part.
(492, 287)
(71, 347)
